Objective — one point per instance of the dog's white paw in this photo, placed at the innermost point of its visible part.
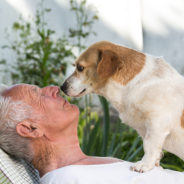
(142, 167)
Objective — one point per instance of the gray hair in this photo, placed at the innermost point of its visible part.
(11, 113)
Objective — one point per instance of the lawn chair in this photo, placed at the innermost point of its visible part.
(14, 171)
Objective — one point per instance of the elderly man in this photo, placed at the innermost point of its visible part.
(37, 124)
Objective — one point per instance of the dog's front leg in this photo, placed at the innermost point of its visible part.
(152, 143)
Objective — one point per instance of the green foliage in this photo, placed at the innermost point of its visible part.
(84, 22)
(41, 57)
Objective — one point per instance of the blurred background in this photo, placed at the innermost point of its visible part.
(40, 39)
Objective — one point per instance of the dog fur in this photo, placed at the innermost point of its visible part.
(147, 92)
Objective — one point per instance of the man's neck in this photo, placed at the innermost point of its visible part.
(51, 155)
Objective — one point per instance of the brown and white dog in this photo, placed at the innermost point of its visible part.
(147, 92)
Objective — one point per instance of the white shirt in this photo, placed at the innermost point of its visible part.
(114, 173)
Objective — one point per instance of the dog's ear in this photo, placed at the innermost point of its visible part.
(107, 64)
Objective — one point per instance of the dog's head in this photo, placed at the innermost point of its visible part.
(94, 67)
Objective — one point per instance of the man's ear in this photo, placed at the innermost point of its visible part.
(107, 64)
(28, 129)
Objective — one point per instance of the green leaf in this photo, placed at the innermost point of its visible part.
(133, 147)
(16, 26)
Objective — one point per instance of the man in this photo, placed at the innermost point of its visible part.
(37, 124)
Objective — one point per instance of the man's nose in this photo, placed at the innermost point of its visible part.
(50, 90)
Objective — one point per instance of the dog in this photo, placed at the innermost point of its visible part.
(147, 92)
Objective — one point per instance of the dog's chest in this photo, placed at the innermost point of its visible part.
(129, 111)
(134, 117)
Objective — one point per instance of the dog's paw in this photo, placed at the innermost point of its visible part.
(142, 167)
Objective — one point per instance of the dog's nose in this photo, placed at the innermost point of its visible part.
(64, 87)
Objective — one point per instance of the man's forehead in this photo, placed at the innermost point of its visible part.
(18, 89)
(15, 87)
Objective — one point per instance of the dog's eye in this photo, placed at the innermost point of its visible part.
(80, 68)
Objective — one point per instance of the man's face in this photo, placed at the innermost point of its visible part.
(56, 113)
